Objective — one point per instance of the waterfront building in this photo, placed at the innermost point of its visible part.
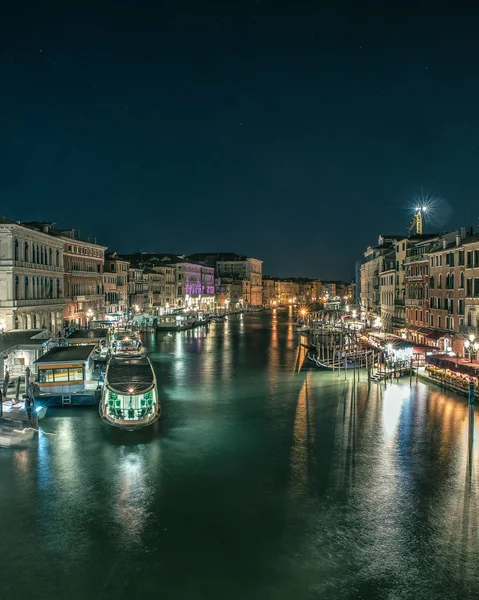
(389, 290)
(287, 291)
(195, 286)
(138, 290)
(471, 289)
(31, 278)
(83, 274)
(447, 288)
(83, 262)
(230, 293)
(269, 292)
(115, 283)
(158, 298)
(337, 289)
(237, 267)
(370, 296)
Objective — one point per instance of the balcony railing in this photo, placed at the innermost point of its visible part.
(416, 258)
(32, 302)
(414, 301)
(86, 297)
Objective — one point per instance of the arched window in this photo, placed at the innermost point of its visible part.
(447, 282)
(26, 287)
(439, 282)
(431, 282)
(17, 291)
(451, 281)
(57, 258)
(58, 288)
(15, 250)
(50, 256)
(25, 250)
(461, 280)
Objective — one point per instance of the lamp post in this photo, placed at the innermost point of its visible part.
(89, 314)
(471, 345)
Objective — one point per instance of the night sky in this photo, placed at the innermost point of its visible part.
(294, 132)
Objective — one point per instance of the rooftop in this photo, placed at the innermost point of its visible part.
(21, 337)
(89, 334)
(66, 354)
(50, 229)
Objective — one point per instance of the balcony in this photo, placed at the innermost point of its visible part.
(74, 272)
(399, 302)
(32, 302)
(36, 266)
(86, 298)
(415, 277)
(414, 301)
(417, 258)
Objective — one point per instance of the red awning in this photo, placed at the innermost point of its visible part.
(424, 331)
(437, 335)
(413, 328)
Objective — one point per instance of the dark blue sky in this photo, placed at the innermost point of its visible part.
(291, 131)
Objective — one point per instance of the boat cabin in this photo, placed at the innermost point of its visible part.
(65, 369)
(98, 337)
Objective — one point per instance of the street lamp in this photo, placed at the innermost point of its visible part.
(89, 314)
(471, 345)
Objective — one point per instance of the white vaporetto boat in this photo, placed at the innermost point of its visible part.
(130, 395)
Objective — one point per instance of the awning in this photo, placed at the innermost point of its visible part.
(413, 328)
(435, 335)
(424, 331)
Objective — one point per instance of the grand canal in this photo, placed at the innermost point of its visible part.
(257, 482)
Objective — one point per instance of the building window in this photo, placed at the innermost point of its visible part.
(469, 288)
(460, 258)
(461, 280)
(460, 308)
(439, 282)
(476, 258)
(469, 259)
(476, 287)
(439, 321)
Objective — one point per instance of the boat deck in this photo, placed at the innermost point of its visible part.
(124, 374)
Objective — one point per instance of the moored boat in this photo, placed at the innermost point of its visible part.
(130, 395)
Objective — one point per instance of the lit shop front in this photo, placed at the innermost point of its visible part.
(452, 373)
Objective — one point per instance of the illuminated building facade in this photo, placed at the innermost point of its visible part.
(31, 278)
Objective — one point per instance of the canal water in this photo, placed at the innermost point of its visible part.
(257, 483)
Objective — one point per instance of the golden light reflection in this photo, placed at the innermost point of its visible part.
(133, 492)
(303, 462)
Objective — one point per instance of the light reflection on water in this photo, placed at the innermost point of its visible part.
(257, 483)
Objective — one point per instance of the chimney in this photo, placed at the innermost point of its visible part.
(458, 240)
(463, 232)
(444, 244)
